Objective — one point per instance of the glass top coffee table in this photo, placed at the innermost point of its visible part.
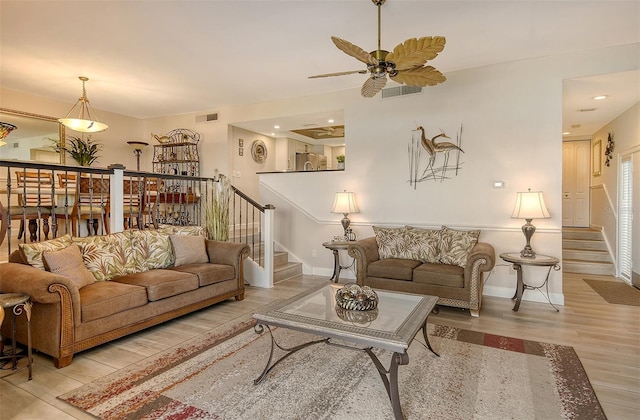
(391, 326)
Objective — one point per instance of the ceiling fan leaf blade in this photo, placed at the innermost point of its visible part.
(354, 51)
(420, 76)
(340, 73)
(372, 86)
(414, 52)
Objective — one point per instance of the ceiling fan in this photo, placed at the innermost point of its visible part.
(337, 131)
(405, 64)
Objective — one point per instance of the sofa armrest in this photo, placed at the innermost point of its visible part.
(364, 251)
(481, 251)
(481, 259)
(43, 287)
(22, 278)
(229, 253)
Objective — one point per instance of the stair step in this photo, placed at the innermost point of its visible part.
(287, 271)
(585, 255)
(581, 233)
(588, 267)
(585, 244)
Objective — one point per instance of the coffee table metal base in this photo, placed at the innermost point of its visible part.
(389, 377)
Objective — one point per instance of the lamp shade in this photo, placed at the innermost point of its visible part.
(137, 145)
(5, 129)
(530, 205)
(345, 202)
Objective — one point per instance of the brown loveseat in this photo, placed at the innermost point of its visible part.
(446, 263)
(121, 283)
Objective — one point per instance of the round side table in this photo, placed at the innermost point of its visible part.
(335, 247)
(539, 260)
(16, 304)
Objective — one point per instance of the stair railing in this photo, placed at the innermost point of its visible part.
(253, 224)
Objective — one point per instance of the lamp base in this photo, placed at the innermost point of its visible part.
(345, 223)
(528, 229)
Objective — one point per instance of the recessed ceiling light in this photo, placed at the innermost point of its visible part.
(600, 97)
(330, 121)
(566, 133)
(273, 134)
(277, 127)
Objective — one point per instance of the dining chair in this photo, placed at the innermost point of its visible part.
(65, 198)
(91, 203)
(34, 191)
(133, 198)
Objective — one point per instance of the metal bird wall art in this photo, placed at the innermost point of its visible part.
(434, 148)
(406, 64)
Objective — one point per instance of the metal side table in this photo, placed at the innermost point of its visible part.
(540, 261)
(335, 247)
(17, 304)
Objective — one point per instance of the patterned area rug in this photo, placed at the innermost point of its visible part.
(615, 292)
(477, 376)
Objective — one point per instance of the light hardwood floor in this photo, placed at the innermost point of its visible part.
(606, 338)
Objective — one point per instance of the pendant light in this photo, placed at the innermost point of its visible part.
(5, 129)
(84, 123)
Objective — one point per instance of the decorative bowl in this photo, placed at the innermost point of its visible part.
(357, 317)
(356, 298)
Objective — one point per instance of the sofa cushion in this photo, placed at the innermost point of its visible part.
(391, 242)
(182, 230)
(104, 298)
(108, 256)
(209, 273)
(189, 249)
(393, 268)
(439, 274)
(455, 245)
(161, 284)
(423, 244)
(68, 262)
(152, 249)
(32, 253)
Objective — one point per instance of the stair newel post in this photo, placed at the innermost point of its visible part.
(269, 241)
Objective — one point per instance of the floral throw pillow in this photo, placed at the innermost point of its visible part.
(32, 253)
(424, 244)
(152, 249)
(107, 256)
(455, 245)
(391, 242)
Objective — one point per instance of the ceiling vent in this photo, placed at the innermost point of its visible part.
(207, 118)
(400, 91)
(587, 109)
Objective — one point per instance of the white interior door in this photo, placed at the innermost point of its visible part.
(576, 161)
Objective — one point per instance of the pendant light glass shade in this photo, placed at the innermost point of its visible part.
(87, 120)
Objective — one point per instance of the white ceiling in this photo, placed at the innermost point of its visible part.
(158, 58)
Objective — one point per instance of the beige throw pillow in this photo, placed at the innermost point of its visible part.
(68, 263)
(189, 249)
(455, 245)
(32, 253)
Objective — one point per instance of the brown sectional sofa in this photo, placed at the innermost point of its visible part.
(137, 284)
(446, 263)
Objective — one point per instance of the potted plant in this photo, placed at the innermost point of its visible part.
(85, 152)
(217, 212)
(340, 159)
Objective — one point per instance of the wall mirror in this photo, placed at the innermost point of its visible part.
(31, 139)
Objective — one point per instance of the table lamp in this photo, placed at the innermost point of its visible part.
(345, 203)
(529, 205)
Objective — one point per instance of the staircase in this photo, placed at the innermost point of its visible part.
(585, 252)
(283, 269)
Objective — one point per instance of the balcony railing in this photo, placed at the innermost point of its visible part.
(49, 200)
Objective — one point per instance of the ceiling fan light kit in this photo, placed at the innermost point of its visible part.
(406, 64)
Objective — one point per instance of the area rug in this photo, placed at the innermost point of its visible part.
(615, 292)
(477, 376)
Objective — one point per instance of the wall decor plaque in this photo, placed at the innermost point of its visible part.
(259, 151)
